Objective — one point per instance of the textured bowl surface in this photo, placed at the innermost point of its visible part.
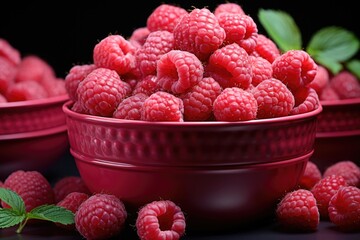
(32, 115)
(191, 143)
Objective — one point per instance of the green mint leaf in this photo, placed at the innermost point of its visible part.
(9, 217)
(52, 213)
(333, 42)
(333, 66)
(354, 67)
(13, 200)
(281, 28)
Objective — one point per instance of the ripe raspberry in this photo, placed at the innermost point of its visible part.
(76, 74)
(198, 101)
(72, 201)
(295, 68)
(34, 68)
(7, 74)
(321, 80)
(101, 216)
(230, 66)
(32, 187)
(273, 98)
(235, 104)
(240, 29)
(266, 48)
(165, 17)
(311, 176)
(55, 87)
(228, 7)
(306, 100)
(344, 208)
(162, 106)
(69, 184)
(328, 94)
(116, 53)
(178, 71)
(298, 211)
(148, 85)
(324, 189)
(199, 32)
(346, 85)
(348, 169)
(2, 100)
(26, 90)
(131, 107)
(101, 91)
(138, 36)
(261, 69)
(161, 219)
(10, 53)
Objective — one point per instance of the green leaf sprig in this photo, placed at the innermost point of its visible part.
(17, 215)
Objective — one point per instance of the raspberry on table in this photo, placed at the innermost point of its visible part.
(161, 219)
(9, 52)
(26, 90)
(261, 69)
(101, 216)
(306, 100)
(69, 184)
(311, 176)
(298, 210)
(266, 48)
(130, 108)
(346, 85)
(344, 208)
(228, 7)
(346, 168)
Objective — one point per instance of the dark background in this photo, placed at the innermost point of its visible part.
(64, 33)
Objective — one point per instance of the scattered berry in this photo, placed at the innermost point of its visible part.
(69, 184)
(348, 169)
(311, 176)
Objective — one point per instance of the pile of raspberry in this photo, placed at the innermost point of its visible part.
(193, 65)
(27, 77)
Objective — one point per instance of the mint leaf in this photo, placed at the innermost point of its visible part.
(52, 213)
(281, 28)
(354, 67)
(13, 200)
(333, 66)
(9, 217)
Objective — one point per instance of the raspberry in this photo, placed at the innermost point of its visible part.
(26, 90)
(311, 176)
(148, 85)
(138, 36)
(228, 7)
(7, 74)
(55, 87)
(240, 29)
(273, 98)
(76, 74)
(295, 68)
(69, 184)
(235, 104)
(162, 106)
(346, 85)
(230, 66)
(178, 71)
(324, 189)
(32, 187)
(34, 68)
(156, 44)
(101, 91)
(298, 211)
(165, 17)
(321, 80)
(2, 100)
(261, 69)
(328, 94)
(116, 53)
(306, 100)
(347, 169)
(266, 48)
(72, 201)
(344, 208)
(199, 32)
(10, 53)
(161, 219)
(198, 101)
(131, 107)
(101, 216)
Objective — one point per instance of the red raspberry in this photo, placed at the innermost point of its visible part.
(295, 68)
(2, 99)
(76, 74)
(138, 36)
(235, 104)
(346, 85)
(199, 32)
(230, 66)
(156, 44)
(162, 106)
(311, 176)
(273, 98)
(348, 169)
(9, 52)
(72, 201)
(77, 107)
(261, 69)
(266, 48)
(101, 92)
(55, 87)
(101, 216)
(228, 7)
(240, 29)
(148, 85)
(131, 107)
(165, 17)
(306, 100)
(178, 71)
(321, 80)
(298, 211)
(328, 94)
(7, 74)
(69, 184)
(198, 101)
(116, 53)
(34, 68)
(324, 189)
(32, 187)
(161, 219)
(26, 90)
(344, 208)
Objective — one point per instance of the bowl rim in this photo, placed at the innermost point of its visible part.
(108, 120)
(33, 134)
(34, 102)
(341, 102)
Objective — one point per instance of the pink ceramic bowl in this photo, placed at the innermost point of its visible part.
(338, 133)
